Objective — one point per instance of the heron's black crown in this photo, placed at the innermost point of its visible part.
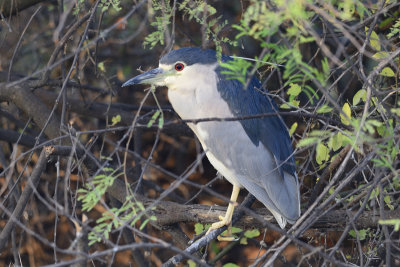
(190, 56)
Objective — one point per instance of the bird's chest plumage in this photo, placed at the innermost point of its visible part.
(200, 101)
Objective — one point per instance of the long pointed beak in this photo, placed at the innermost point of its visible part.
(151, 77)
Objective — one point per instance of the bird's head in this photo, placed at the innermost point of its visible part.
(180, 69)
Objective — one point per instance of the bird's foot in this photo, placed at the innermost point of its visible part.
(229, 237)
(223, 221)
(227, 220)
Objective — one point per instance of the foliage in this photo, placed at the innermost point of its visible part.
(161, 23)
(104, 5)
(394, 30)
(158, 114)
(198, 11)
(236, 69)
(116, 119)
(394, 222)
(129, 213)
(361, 234)
(203, 13)
(91, 194)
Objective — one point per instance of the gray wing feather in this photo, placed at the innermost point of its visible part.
(255, 167)
(270, 131)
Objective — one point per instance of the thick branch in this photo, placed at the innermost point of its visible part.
(168, 213)
(14, 137)
(10, 7)
(32, 106)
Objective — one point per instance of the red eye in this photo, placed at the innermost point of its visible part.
(179, 66)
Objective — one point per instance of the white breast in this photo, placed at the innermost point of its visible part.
(202, 100)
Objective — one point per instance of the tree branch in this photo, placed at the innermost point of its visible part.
(25, 196)
(32, 106)
(11, 7)
(168, 213)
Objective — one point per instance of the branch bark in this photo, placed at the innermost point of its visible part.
(11, 7)
(32, 106)
(13, 136)
(168, 213)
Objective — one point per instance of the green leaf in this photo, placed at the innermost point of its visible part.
(106, 169)
(106, 158)
(362, 234)
(293, 129)
(325, 67)
(336, 141)
(161, 121)
(307, 141)
(294, 89)
(198, 228)
(236, 230)
(230, 265)
(252, 233)
(304, 39)
(331, 190)
(394, 30)
(153, 118)
(115, 119)
(243, 241)
(347, 9)
(346, 110)
(388, 202)
(370, 129)
(352, 233)
(381, 55)
(388, 72)
(319, 133)
(324, 109)
(374, 193)
(144, 224)
(140, 205)
(191, 263)
(395, 111)
(375, 123)
(394, 222)
(311, 94)
(284, 106)
(295, 103)
(100, 65)
(322, 153)
(374, 41)
(361, 94)
(236, 69)
(381, 130)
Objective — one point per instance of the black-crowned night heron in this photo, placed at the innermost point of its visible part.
(255, 153)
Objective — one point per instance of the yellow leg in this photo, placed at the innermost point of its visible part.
(228, 215)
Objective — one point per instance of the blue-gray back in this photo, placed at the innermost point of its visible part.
(270, 131)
